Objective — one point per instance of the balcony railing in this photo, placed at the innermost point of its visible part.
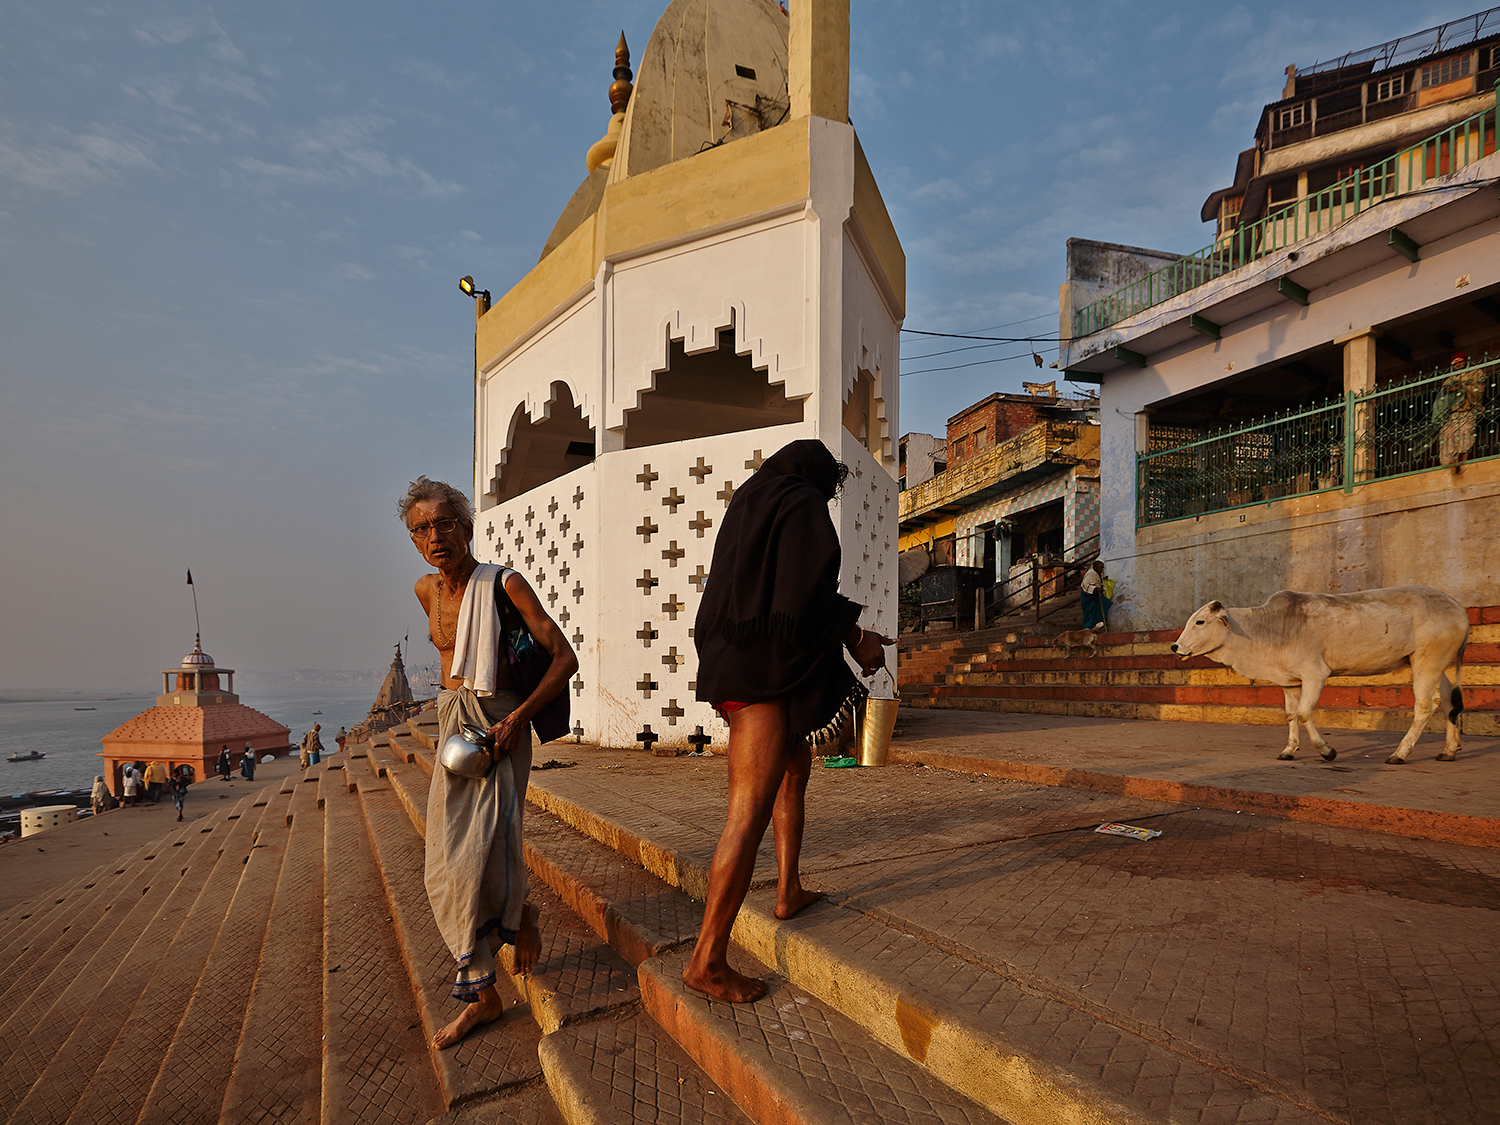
(1439, 155)
(1439, 420)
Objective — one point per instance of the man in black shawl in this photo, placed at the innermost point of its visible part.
(770, 632)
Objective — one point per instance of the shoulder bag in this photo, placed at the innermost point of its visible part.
(529, 662)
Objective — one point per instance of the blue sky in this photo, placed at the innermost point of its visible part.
(230, 236)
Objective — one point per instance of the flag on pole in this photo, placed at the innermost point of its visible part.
(190, 578)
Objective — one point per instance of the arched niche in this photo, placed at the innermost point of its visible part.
(542, 450)
(707, 393)
(862, 413)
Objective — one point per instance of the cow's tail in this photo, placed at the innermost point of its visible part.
(1456, 696)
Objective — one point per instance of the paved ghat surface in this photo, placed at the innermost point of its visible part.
(1239, 967)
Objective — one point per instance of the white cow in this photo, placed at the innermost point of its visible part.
(1303, 639)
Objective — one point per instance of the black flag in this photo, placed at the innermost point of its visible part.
(190, 578)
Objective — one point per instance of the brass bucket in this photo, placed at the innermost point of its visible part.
(878, 725)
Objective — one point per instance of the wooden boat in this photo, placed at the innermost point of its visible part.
(34, 756)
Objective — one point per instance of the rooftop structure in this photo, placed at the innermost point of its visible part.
(1346, 136)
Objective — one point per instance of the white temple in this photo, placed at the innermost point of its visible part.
(724, 281)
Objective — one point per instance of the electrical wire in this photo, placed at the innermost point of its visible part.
(961, 366)
(998, 339)
(950, 351)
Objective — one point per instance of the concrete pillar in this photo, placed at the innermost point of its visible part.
(1359, 359)
(819, 59)
(1359, 377)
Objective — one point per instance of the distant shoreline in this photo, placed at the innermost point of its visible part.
(56, 695)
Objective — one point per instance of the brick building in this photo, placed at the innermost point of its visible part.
(994, 420)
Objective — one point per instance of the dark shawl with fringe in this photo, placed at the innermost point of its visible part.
(772, 621)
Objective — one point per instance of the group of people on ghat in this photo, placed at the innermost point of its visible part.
(771, 633)
(142, 782)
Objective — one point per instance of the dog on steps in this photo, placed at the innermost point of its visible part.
(1086, 639)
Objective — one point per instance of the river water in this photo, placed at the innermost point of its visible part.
(70, 737)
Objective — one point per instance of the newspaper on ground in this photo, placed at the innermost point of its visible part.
(1129, 830)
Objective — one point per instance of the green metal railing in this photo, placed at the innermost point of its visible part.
(1432, 421)
(1439, 155)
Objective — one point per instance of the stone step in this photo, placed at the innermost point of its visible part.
(995, 1041)
(124, 1076)
(424, 728)
(791, 1058)
(195, 1070)
(21, 922)
(627, 1070)
(94, 1014)
(56, 985)
(376, 1067)
(414, 752)
(578, 976)
(410, 785)
(1477, 724)
(1194, 679)
(55, 927)
(495, 1058)
(640, 915)
(583, 992)
(277, 1069)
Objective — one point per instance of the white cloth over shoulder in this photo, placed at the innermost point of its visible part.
(478, 641)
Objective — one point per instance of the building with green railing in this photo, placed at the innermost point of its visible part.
(1312, 401)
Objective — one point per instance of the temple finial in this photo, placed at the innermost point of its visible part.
(602, 151)
(621, 89)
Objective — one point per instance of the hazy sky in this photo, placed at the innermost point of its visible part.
(230, 237)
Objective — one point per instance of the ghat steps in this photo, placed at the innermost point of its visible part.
(277, 960)
(1136, 676)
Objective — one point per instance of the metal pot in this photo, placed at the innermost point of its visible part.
(467, 753)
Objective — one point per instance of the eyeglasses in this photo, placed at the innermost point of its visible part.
(442, 527)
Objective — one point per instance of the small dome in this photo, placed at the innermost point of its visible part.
(197, 657)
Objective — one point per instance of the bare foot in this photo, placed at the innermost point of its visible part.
(723, 983)
(528, 941)
(788, 904)
(489, 1007)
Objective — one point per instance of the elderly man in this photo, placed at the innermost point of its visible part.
(475, 873)
(312, 746)
(771, 631)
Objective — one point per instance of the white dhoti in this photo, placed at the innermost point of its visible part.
(475, 872)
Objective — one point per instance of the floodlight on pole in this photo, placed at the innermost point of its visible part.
(467, 285)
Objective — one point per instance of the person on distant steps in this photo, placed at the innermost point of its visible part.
(339, 738)
(132, 779)
(181, 779)
(1093, 596)
(99, 797)
(225, 765)
(247, 763)
(771, 632)
(475, 873)
(312, 746)
(156, 777)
